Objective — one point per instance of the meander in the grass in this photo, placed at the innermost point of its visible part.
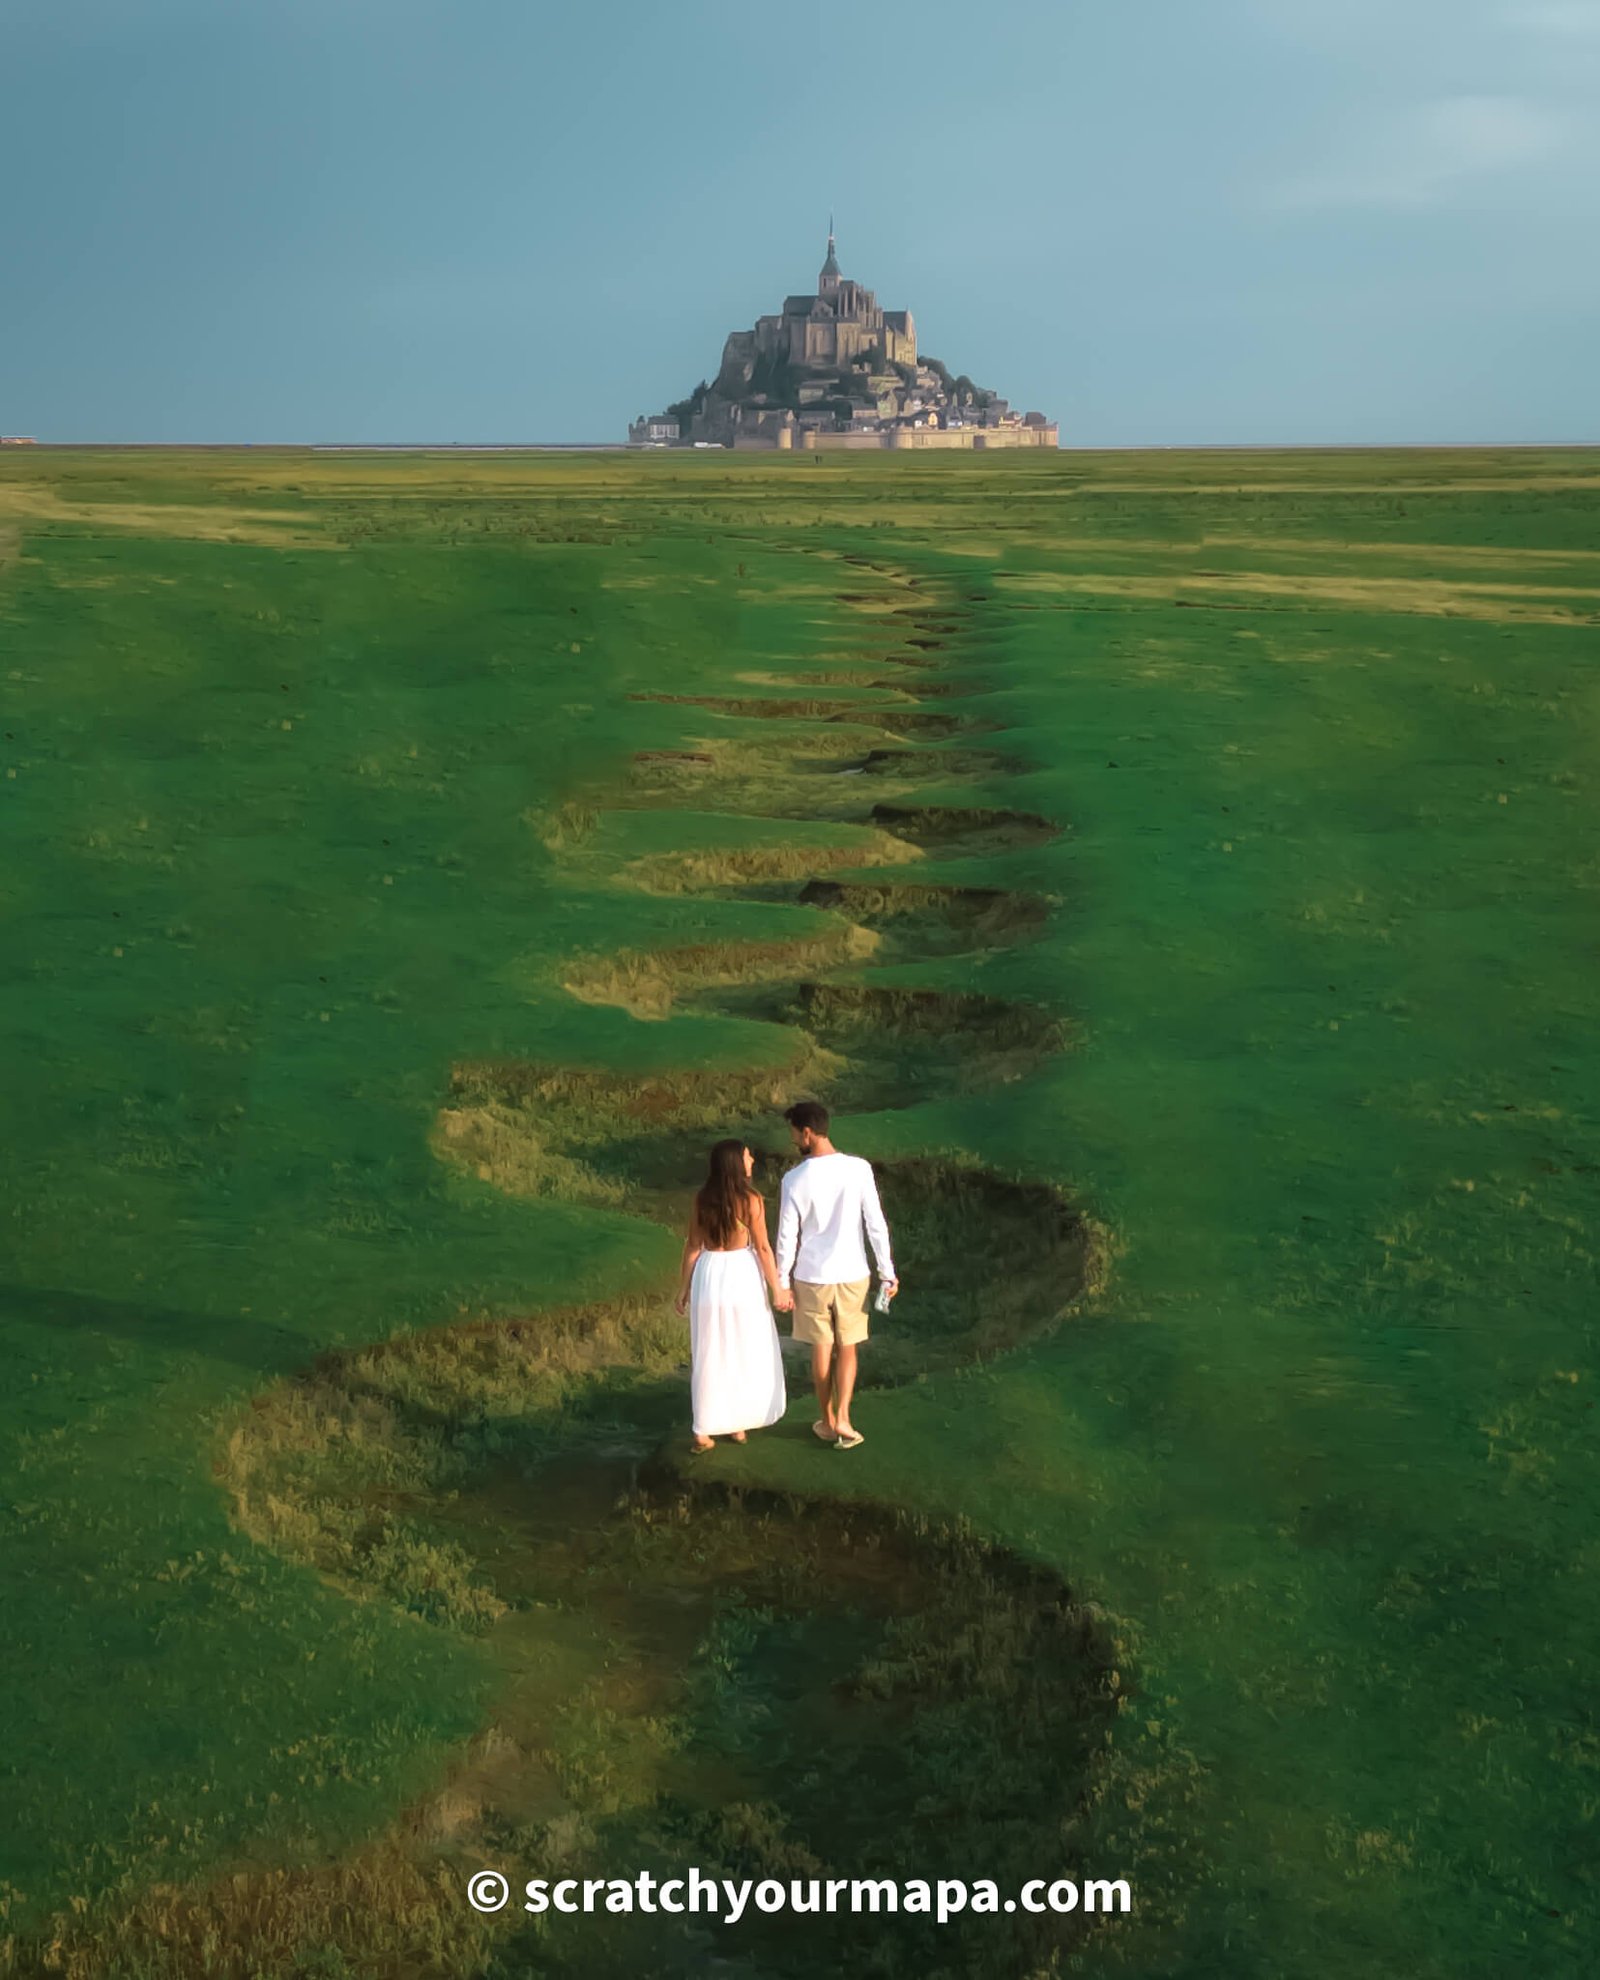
(1176, 872)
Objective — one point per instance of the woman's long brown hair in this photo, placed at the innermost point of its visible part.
(720, 1207)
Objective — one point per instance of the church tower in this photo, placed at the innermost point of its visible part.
(828, 280)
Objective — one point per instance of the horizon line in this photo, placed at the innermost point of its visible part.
(22, 445)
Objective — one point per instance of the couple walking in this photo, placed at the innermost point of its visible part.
(819, 1273)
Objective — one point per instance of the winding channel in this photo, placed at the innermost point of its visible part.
(762, 1684)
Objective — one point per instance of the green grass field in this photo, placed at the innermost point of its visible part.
(1178, 871)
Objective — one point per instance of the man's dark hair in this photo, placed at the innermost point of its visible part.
(808, 1114)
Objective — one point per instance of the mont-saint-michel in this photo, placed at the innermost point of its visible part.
(832, 369)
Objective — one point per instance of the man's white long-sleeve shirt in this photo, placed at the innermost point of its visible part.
(827, 1201)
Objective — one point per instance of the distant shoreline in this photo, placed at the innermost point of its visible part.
(623, 447)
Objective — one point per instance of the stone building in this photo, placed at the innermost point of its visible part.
(829, 332)
(833, 369)
(654, 430)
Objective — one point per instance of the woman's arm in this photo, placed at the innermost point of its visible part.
(693, 1245)
(758, 1237)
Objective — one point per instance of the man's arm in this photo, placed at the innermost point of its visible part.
(788, 1245)
(877, 1229)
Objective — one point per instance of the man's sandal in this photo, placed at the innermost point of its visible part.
(847, 1440)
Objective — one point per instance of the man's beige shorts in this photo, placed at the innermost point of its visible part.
(825, 1314)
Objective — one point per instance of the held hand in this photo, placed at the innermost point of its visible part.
(783, 1300)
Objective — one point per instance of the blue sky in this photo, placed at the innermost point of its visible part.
(1159, 221)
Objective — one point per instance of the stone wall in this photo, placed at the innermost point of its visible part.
(970, 438)
(978, 437)
(812, 439)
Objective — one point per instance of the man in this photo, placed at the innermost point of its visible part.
(827, 1201)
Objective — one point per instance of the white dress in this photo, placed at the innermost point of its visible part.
(735, 1363)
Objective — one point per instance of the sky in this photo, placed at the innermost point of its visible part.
(1160, 222)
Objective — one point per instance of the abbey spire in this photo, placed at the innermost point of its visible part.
(828, 280)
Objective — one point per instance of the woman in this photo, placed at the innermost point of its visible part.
(736, 1367)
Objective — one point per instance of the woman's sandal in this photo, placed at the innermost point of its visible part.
(699, 1450)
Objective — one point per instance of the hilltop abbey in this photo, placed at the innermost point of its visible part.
(834, 370)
